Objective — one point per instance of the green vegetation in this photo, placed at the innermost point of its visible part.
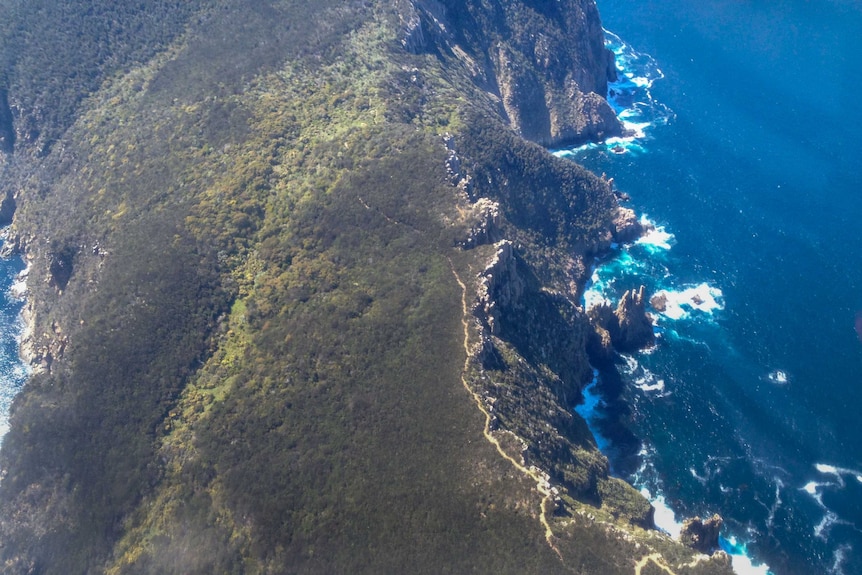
(247, 299)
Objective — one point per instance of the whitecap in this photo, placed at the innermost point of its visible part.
(742, 563)
(665, 518)
(678, 304)
(778, 376)
(655, 238)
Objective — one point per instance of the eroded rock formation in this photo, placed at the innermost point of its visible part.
(627, 328)
(626, 226)
(547, 66)
(701, 534)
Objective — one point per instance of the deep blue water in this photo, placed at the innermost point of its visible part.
(749, 405)
(13, 371)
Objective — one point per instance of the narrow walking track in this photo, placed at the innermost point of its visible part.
(533, 473)
(655, 558)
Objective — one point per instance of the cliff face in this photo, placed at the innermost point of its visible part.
(301, 298)
(545, 63)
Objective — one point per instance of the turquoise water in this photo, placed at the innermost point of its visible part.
(13, 372)
(746, 161)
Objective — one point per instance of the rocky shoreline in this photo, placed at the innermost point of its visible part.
(308, 236)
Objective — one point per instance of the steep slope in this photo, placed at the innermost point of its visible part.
(303, 298)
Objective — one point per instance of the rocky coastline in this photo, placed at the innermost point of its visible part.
(307, 236)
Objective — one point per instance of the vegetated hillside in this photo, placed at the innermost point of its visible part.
(300, 301)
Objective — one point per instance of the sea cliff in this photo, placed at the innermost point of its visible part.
(304, 291)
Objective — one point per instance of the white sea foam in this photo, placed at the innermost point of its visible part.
(630, 99)
(839, 556)
(594, 297)
(641, 377)
(678, 304)
(740, 560)
(700, 478)
(815, 490)
(665, 518)
(778, 376)
(18, 290)
(655, 238)
(811, 488)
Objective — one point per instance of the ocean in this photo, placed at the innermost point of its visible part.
(13, 372)
(745, 165)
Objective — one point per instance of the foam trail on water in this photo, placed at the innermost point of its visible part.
(816, 488)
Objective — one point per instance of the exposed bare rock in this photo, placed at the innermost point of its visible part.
(550, 72)
(626, 226)
(599, 346)
(701, 535)
(626, 328)
(412, 33)
(457, 175)
(500, 286)
(485, 227)
(633, 327)
(659, 302)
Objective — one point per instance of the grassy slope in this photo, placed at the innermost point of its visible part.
(264, 324)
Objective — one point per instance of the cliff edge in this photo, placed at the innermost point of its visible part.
(545, 64)
(303, 291)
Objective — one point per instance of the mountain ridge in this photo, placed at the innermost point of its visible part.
(248, 264)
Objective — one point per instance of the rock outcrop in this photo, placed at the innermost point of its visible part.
(701, 535)
(633, 328)
(627, 328)
(501, 286)
(626, 226)
(548, 66)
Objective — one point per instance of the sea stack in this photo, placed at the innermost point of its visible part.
(632, 329)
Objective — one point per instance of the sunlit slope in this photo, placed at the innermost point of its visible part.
(256, 280)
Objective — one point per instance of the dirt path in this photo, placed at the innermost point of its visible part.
(655, 558)
(533, 473)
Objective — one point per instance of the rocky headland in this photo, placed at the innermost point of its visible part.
(310, 304)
